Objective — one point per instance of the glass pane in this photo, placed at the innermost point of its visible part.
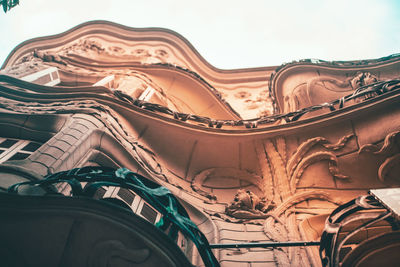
(8, 143)
(99, 193)
(31, 147)
(149, 213)
(126, 195)
(54, 75)
(19, 156)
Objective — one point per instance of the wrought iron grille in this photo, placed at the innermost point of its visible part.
(365, 211)
(364, 92)
(174, 217)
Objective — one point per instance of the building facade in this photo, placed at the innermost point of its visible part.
(253, 155)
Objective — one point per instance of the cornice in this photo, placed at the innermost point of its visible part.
(193, 58)
(21, 91)
(382, 66)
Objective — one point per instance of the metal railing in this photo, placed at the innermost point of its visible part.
(366, 92)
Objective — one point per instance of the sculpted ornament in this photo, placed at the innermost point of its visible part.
(362, 79)
(281, 175)
(95, 48)
(48, 57)
(247, 205)
(324, 89)
(202, 183)
(389, 168)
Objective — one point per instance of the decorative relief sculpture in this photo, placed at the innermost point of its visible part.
(324, 89)
(362, 79)
(242, 95)
(390, 150)
(247, 205)
(252, 105)
(99, 48)
(281, 175)
(204, 182)
(300, 161)
(88, 44)
(49, 57)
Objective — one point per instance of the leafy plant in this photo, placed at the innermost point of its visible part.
(8, 4)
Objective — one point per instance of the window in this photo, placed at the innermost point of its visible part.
(14, 149)
(126, 196)
(49, 77)
(148, 212)
(147, 94)
(185, 245)
(144, 210)
(135, 202)
(106, 81)
(99, 193)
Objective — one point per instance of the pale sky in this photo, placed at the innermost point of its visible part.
(228, 33)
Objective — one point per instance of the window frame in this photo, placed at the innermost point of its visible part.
(7, 153)
(137, 203)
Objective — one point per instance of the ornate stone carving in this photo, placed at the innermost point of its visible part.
(324, 89)
(88, 44)
(300, 160)
(144, 156)
(247, 205)
(362, 79)
(92, 47)
(242, 95)
(252, 105)
(233, 178)
(281, 175)
(49, 57)
(390, 150)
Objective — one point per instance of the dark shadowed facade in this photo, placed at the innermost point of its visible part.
(252, 155)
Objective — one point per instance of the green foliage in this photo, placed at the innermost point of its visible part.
(8, 4)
